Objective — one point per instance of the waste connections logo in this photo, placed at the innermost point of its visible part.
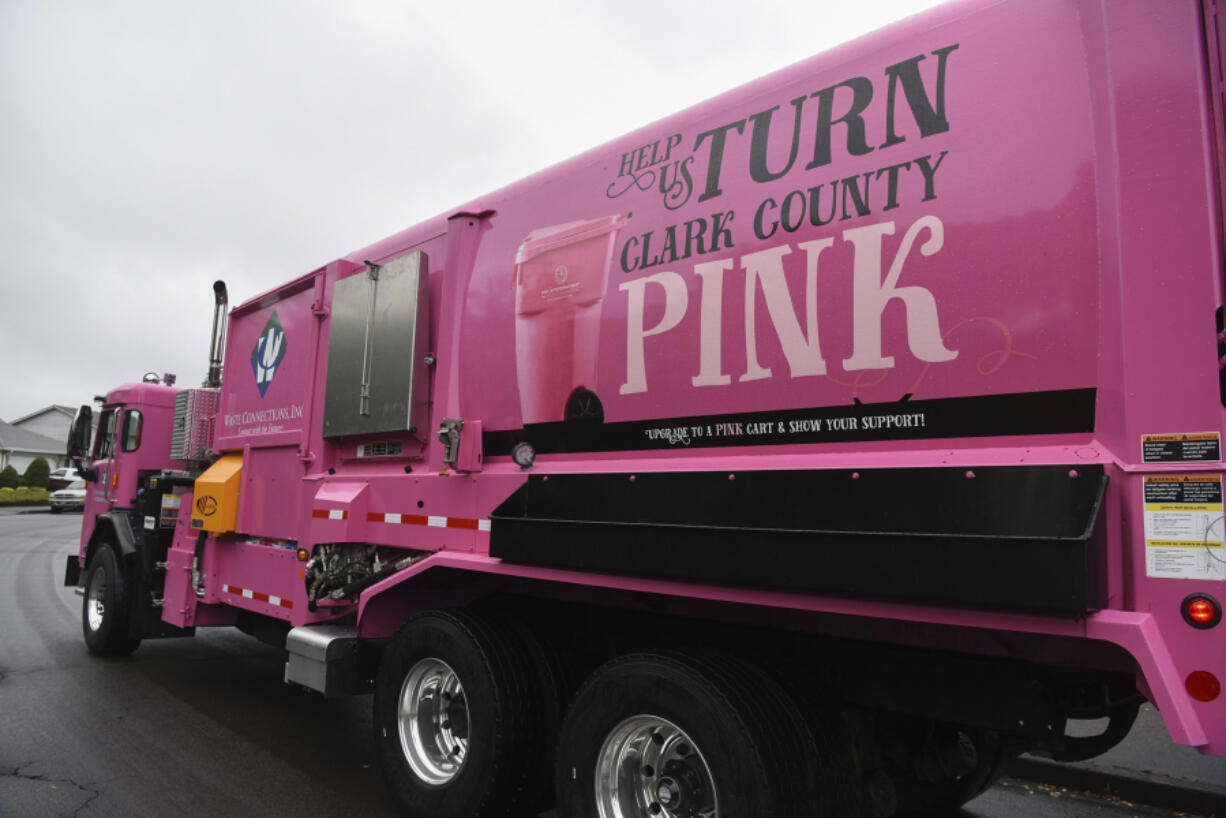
(268, 353)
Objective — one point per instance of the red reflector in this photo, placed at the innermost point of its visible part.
(1201, 611)
(1203, 686)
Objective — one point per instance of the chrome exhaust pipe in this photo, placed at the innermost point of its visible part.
(217, 347)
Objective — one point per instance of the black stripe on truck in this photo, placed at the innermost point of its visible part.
(1009, 537)
(1065, 411)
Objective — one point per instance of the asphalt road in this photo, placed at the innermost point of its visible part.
(193, 727)
(205, 726)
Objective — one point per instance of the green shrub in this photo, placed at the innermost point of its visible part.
(9, 478)
(24, 496)
(38, 474)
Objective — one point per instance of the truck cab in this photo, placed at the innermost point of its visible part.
(127, 474)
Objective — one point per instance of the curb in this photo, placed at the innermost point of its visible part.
(1136, 787)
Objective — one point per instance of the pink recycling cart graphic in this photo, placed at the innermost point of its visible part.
(561, 274)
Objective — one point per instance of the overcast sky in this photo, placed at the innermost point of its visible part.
(153, 146)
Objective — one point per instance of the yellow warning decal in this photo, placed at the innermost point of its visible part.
(1184, 526)
(1192, 447)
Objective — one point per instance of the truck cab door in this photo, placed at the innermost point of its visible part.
(103, 460)
(119, 435)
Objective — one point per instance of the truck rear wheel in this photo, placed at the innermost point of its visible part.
(684, 736)
(462, 717)
(932, 799)
(106, 608)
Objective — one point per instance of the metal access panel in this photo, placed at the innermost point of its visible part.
(380, 329)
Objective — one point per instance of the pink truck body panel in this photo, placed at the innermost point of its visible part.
(983, 240)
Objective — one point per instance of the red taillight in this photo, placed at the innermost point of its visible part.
(1203, 686)
(1201, 611)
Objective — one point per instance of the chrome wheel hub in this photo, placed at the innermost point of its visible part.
(95, 605)
(432, 719)
(647, 767)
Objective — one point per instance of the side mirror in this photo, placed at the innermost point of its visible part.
(78, 442)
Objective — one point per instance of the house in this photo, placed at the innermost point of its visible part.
(19, 447)
(52, 421)
(42, 433)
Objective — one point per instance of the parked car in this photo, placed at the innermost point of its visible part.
(71, 498)
(61, 478)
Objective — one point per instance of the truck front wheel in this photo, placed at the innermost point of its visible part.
(105, 609)
(676, 735)
(462, 718)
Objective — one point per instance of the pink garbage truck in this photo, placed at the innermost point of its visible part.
(812, 451)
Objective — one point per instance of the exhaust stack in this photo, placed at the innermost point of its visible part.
(217, 347)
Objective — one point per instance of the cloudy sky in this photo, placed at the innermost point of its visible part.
(153, 146)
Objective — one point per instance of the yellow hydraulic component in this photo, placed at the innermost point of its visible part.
(215, 507)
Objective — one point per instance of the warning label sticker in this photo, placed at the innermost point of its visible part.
(170, 510)
(1184, 527)
(1201, 447)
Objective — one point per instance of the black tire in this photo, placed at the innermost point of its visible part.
(837, 772)
(106, 608)
(936, 799)
(55, 510)
(500, 717)
(700, 731)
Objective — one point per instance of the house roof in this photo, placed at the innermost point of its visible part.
(13, 439)
(68, 411)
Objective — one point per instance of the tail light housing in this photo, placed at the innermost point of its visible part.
(1201, 611)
